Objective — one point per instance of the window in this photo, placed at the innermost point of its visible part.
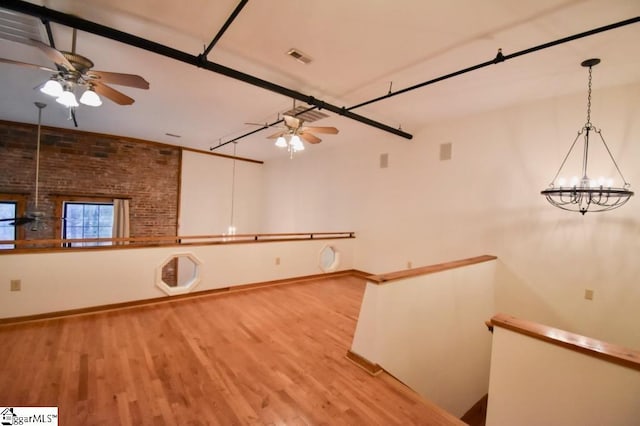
(11, 205)
(87, 220)
(8, 209)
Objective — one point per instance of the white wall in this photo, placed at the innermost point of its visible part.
(486, 200)
(428, 331)
(536, 383)
(205, 195)
(62, 281)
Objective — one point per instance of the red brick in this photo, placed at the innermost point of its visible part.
(84, 163)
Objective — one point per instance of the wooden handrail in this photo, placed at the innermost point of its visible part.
(137, 242)
(424, 270)
(586, 345)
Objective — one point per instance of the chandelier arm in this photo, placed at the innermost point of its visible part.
(565, 157)
(599, 132)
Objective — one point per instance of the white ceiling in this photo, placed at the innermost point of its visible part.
(358, 47)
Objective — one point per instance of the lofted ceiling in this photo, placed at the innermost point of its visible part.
(358, 49)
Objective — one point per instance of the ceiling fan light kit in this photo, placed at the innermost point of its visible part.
(65, 94)
(292, 143)
(585, 194)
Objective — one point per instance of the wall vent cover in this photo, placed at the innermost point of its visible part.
(299, 56)
(445, 151)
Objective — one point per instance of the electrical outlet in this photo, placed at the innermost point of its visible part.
(16, 285)
(277, 260)
(588, 294)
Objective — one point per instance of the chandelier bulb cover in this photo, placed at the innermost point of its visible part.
(281, 142)
(52, 88)
(296, 143)
(68, 99)
(90, 98)
(584, 194)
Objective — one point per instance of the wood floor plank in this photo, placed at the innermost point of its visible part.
(271, 355)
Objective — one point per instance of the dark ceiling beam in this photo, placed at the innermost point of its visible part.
(199, 61)
(224, 28)
(501, 58)
(498, 59)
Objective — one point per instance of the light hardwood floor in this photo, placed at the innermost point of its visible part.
(266, 356)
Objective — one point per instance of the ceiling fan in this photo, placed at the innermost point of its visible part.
(75, 71)
(34, 216)
(294, 132)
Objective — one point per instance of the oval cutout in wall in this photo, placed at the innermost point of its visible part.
(329, 259)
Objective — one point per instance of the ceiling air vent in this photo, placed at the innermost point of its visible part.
(20, 28)
(309, 116)
(299, 56)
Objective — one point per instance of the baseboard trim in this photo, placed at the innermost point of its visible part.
(169, 299)
(368, 366)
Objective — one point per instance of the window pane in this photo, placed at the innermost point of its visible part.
(90, 215)
(106, 215)
(74, 232)
(91, 232)
(73, 214)
(7, 231)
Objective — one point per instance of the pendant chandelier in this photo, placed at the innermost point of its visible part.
(585, 194)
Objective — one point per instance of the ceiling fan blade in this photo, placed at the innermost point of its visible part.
(111, 93)
(292, 122)
(130, 80)
(19, 221)
(277, 134)
(327, 130)
(24, 64)
(308, 137)
(265, 125)
(55, 55)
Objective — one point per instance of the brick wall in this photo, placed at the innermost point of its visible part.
(81, 163)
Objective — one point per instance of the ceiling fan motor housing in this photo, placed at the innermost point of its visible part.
(81, 63)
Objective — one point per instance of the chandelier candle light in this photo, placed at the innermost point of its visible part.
(585, 194)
